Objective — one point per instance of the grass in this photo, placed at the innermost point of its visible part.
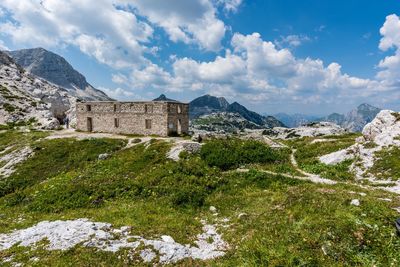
(387, 165)
(307, 155)
(288, 222)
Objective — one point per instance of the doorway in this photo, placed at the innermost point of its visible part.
(89, 124)
(179, 127)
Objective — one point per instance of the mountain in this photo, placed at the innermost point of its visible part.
(219, 107)
(57, 70)
(207, 104)
(356, 119)
(162, 97)
(27, 99)
(295, 120)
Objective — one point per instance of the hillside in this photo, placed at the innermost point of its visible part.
(124, 202)
(26, 99)
(57, 70)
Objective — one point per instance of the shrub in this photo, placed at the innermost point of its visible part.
(232, 153)
(9, 108)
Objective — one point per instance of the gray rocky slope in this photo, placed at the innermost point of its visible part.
(57, 70)
(214, 112)
(25, 97)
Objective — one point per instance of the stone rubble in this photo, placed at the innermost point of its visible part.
(63, 235)
(180, 146)
(310, 130)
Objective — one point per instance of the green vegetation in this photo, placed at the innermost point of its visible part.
(233, 153)
(307, 155)
(387, 165)
(287, 222)
(9, 108)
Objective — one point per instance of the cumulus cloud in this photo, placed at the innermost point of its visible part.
(113, 36)
(256, 70)
(117, 35)
(191, 22)
(390, 65)
(230, 5)
(121, 94)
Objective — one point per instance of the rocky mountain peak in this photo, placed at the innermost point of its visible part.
(55, 69)
(163, 97)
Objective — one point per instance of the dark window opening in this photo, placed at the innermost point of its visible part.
(148, 124)
(116, 123)
(88, 108)
(115, 107)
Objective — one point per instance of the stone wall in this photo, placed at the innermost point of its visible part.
(143, 118)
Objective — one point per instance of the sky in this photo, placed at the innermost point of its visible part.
(310, 56)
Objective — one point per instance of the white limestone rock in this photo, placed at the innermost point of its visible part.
(64, 235)
(384, 130)
(310, 130)
(180, 146)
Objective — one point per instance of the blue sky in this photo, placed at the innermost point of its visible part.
(309, 56)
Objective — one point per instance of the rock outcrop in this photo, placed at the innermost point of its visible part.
(309, 130)
(384, 130)
(24, 97)
(55, 69)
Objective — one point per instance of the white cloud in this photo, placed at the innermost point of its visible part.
(256, 71)
(3, 46)
(113, 36)
(192, 22)
(292, 40)
(120, 94)
(389, 74)
(230, 5)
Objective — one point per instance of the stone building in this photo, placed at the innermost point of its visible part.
(163, 118)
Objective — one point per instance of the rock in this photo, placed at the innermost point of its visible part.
(355, 202)
(243, 216)
(309, 130)
(213, 209)
(104, 156)
(180, 146)
(384, 130)
(64, 235)
(13, 159)
(337, 157)
(147, 255)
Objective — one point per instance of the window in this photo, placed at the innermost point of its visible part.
(116, 123)
(179, 109)
(148, 108)
(115, 107)
(148, 124)
(88, 108)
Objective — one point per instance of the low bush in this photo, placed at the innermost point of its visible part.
(232, 153)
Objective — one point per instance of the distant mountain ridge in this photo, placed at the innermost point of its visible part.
(295, 120)
(353, 121)
(356, 119)
(207, 104)
(55, 69)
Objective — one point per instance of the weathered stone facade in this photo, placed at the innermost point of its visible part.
(144, 118)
